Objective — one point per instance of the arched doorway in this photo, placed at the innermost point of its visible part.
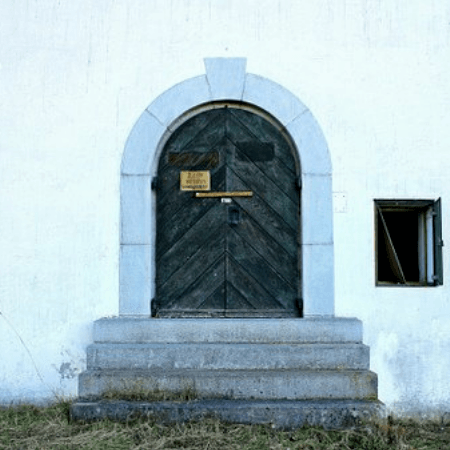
(226, 80)
(227, 218)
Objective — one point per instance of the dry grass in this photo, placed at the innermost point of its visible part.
(138, 393)
(29, 427)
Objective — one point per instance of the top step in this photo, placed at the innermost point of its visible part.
(296, 330)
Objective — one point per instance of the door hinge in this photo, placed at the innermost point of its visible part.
(155, 306)
(299, 302)
(156, 184)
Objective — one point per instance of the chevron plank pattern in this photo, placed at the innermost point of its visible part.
(208, 265)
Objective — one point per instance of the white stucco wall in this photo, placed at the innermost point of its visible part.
(74, 78)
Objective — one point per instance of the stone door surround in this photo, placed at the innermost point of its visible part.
(226, 79)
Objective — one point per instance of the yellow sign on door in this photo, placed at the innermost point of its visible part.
(195, 180)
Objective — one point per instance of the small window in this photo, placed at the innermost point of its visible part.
(408, 242)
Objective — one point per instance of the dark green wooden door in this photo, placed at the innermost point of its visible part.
(228, 256)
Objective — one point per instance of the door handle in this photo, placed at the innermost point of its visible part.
(234, 215)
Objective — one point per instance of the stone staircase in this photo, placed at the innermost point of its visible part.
(284, 371)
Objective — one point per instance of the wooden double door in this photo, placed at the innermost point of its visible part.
(227, 246)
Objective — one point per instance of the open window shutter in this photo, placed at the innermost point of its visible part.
(394, 262)
(438, 243)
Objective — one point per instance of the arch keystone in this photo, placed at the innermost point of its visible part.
(226, 77)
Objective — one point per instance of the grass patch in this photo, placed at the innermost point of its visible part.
(140, 394)
(29, 427)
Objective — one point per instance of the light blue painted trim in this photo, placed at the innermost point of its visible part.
(226, 77)
(136, 275)
(307, 134)
(318, 270)
(143, 139)
(138, 222)
(317, 200)
(136, 207)
(272, 98)
(179, 99)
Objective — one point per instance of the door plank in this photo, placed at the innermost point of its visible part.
(202, 128)
(216, 300)
(261, 129)
(235, 300)
(268, 249)
(202, 288)
(193, 269)
(249, 287)
(208, 139)
(274, 169)
(267, 190)
(272, 222)
(259, 268)
(209, 226)
(183, 221)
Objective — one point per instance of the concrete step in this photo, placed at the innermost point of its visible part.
(228, 356)
(232, 384)
(318, 330)
(286, 414)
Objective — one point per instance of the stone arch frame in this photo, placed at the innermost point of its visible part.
(226, 79)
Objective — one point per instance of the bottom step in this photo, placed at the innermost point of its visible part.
(233, 384)
(286, 414)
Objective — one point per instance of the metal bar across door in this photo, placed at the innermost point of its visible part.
(224, 194)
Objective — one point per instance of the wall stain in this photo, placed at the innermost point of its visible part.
(67, 371)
